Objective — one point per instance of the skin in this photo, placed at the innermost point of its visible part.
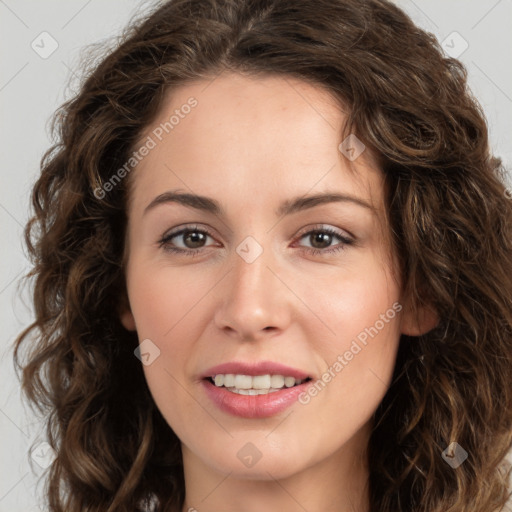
(252, 143)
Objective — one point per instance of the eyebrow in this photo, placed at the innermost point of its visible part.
(209, 205)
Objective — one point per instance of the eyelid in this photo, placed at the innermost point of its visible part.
(327, 227)
(184, 228)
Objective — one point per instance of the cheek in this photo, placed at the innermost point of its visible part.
(353, 300)
(162, 299)
(361, 310)
(164, 303)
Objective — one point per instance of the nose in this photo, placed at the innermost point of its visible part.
(254, 299)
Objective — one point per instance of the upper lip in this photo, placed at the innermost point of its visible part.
(254, 368)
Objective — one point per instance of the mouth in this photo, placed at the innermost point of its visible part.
(255, 384)
(254, 396)
(254, 389)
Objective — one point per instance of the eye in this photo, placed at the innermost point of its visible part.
(192, 236)
(322, 237)
(193, 240)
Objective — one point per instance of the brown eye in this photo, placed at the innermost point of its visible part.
(194, 239)
(191, 239)
(322, 238)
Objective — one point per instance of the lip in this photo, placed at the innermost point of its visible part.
(254, 406)
(255, 368)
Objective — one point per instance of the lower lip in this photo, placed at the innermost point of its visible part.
(253, 406)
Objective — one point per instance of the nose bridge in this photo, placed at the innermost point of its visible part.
(250, 273)
(252, 297)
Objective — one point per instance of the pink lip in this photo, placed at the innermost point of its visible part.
(255, 368)
(253, 406)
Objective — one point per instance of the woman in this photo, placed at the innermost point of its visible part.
(192, 352)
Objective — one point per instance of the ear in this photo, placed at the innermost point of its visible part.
(126, 315)
(419, 321)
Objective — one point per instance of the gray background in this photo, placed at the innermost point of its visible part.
(32, 87)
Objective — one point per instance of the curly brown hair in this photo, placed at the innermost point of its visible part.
(451, 225)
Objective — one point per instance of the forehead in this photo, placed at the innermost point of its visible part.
(253, 137)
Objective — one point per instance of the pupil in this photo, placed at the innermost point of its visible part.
(196, 238)
(322, 237)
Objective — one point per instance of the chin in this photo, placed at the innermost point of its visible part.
(251, 463)
(277, 468)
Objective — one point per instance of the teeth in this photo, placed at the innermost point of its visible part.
(260, 382)
(228, 380)
(277, 381)
(254, 385)
(252, 391)
(243, 382)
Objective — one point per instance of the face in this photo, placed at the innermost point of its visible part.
(261, 278)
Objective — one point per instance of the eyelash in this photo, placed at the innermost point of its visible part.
(164, 242)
